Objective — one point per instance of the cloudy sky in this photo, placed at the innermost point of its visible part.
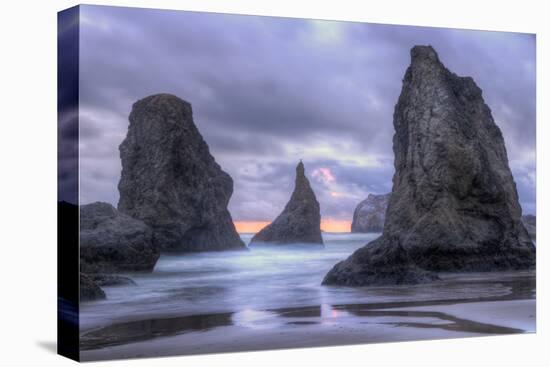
(267, 92)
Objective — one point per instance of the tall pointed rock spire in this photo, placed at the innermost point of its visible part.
(454, 204)
(300, 221)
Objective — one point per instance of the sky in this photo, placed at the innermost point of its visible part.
(267, 92)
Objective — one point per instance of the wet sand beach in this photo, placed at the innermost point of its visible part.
(273, 299)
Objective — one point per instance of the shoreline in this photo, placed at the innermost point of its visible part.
(305, 327)
(321, 324)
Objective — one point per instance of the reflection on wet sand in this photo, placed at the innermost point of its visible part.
(382, 313)
(128, 332)
(452, 324)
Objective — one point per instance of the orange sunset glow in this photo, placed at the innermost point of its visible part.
(327, 225)
(331, 225)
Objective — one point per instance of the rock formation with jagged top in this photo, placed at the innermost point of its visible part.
(454, 205)
(300, 221)
(170, 180)
(370, 214)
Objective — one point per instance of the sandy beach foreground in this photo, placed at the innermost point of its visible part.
(512, 312)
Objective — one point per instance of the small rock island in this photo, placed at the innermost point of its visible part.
(454, 205)
(370, 214)
(300, 221)
(112, 242)
(171, 182)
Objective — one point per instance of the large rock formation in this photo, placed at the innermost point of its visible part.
(171, 181)
(113, 242)
(370, 214)
(454, 205)
(530, 223)
(300, 221)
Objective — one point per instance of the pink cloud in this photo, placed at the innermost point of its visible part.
(323, 175)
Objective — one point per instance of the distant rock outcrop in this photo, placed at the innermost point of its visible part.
(113, 242)
(530, 223)
(300, 221)
(370, 214)
(89, 290)
(171, 181)
(454, 204)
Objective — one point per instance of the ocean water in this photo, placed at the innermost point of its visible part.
(251, 282)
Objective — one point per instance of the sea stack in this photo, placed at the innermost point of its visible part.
(170, 180)
(370, 214)
(300, 221)
(454, 205)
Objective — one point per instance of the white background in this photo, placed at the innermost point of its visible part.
(28, 182)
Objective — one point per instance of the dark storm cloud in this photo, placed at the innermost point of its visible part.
(269, 91)
(67, 106)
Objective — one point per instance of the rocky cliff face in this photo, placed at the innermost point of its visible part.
(114, 242)
(454, 205)
(300, 221)
(530, 223)
(171, 181)
(370, 214)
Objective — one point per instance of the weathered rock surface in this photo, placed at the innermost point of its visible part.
(530, 223)
(170, 180)
(110, 280)
(113, 242)
(89, 290)
(454, 204)
(381, 262)
(370, 214)
(300, 221)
